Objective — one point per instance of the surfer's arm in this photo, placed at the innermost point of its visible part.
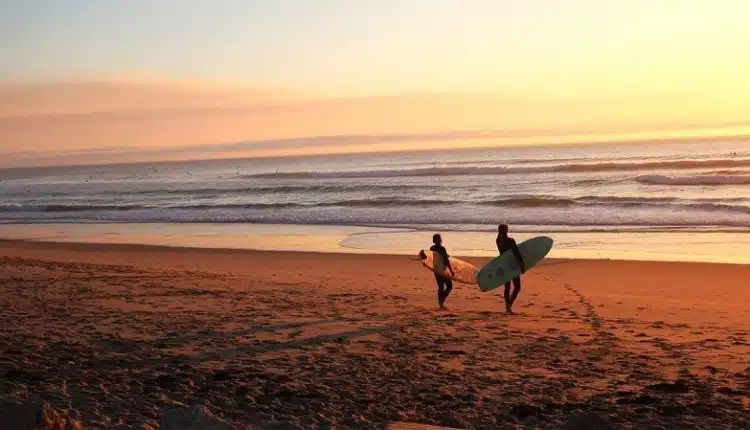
(448, 263)
(517, 253)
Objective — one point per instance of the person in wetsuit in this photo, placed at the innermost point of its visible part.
(505, 243)
(444, 284)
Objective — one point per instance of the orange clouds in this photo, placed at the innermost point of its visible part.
(168, 121)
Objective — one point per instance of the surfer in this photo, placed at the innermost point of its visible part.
(444, 284)
(505, 243)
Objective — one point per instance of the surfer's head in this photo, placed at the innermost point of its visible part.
(437, 239)
(502, 229)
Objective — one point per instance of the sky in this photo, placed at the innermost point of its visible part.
(139, 76)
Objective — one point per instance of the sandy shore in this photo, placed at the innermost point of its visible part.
(117, 336)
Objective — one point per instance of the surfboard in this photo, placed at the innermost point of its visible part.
(465, 273)
(505, 267)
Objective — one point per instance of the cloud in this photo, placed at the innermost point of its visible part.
(83, 97)
(103, 122)
(337, 144)
(333, 142)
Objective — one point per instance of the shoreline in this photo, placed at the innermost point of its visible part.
(93, 247)
(707, 247)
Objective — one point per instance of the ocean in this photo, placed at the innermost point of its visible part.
(698, 188)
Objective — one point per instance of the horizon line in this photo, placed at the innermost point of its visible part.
(603, 142)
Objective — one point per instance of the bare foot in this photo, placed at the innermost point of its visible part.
(508, 310)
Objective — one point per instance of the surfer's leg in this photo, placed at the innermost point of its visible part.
(507, 297)
(440, 282)
(516, 289)
(448, 288)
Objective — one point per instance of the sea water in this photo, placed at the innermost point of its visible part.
(697, 192)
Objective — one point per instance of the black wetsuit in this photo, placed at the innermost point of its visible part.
(444, 284)
(510, 244)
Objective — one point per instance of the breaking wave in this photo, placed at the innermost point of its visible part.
(540, 202)
(478, 170)
(706, 180)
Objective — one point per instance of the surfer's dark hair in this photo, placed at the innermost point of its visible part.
(502, 228)
(436, 238)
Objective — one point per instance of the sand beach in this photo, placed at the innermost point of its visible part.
(125, 336)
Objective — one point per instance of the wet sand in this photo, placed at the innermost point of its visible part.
(122, 336)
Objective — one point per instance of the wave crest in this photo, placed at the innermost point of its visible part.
(705, 180)
(478, 170)
(518, 202)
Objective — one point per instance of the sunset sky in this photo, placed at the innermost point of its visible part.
(106, 80)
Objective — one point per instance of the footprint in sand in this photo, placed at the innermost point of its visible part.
(592, 317)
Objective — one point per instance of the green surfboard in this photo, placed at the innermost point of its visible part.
(505, 267)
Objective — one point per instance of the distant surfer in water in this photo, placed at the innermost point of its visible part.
(444, 284)
(505, 243)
